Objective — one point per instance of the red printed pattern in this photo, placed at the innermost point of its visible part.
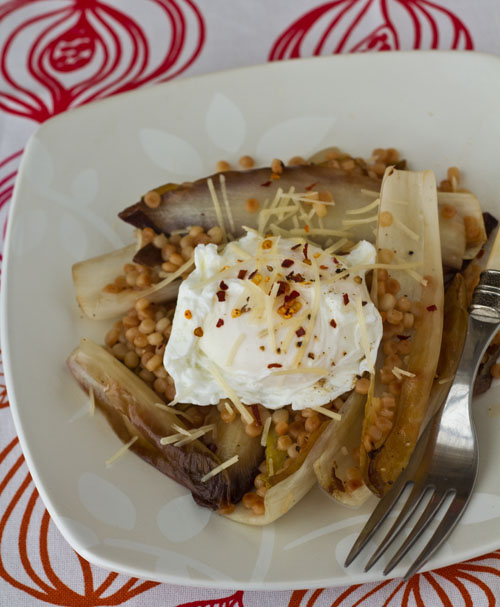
(345, 26)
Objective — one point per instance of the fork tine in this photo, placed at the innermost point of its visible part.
(446, 526)
(376, 519)
(421, 525)
(408, 509)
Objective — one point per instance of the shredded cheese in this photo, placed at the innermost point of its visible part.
(223, 190)
(403, 372)
(353, 222)
(219, 469)
(120, 452)
(318, 232)
(265, 431)
(404, 228)
(172, 438)
(91, 402)
(217, 207)
(171, 277)
(234, 349)
(365, 209)
(328, 413)
(365, 342)
(183, 431)
(370, 192)
(270, 466)
(195, 434)
(445, 380)
(233, 397)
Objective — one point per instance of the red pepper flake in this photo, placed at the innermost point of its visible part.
(403, 337)
(311, 355)
(256, 414)
(333, 324)
(220, 322)
(295, 246)
(198, 332)
(223, 285)
(432, 308)
(266, 184)
(299, 332)
(242, 274)
(252, 274)
(221, 295)
(305, 249)
(323, 267)
(307, 229)
(335, 260)
(287, 263)
(310, 187)
(295, 277)
(293, 295)
(346, 299)
(188, 314)
(274, 365)
(283, 288)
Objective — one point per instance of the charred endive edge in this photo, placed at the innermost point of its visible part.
(130, 407)
(409, 202)
(337, 458)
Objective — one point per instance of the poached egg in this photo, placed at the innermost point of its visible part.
(275, 321)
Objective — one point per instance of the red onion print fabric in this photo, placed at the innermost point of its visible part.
(58, 54)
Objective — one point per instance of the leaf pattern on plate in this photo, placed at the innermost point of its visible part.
(181, 519)
(170, 152)
(106, 502)
(225, 124)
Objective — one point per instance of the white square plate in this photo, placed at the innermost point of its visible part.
(82, 167)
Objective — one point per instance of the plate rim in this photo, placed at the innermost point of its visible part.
(85, 552)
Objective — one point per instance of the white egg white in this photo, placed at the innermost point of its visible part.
(303, 347)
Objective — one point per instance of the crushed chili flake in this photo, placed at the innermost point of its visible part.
(198, 332)
(308, 262)
(242, 274)
(266, 184)
(262, 348)
(311, 355)
(295, 246)
(220, 322)
(346, 299)
(221, 295)
(333, 323)
(307, 228)
(291, 296)
(269, 268)
(283, 288)
(256, 414)
(295, 277)
(299, 344)
(338, 270)
(310, 187)
(286, 263)
(236, 312)
(323, 267)
(403, 337)
(274, 365)
(252, 274)
(188, 314)
(267, 244)
(335, 260)
(223, 285)
(300, 331)
(316, 255)
(363, 303)
(432, 308)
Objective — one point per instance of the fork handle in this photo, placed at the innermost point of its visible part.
(483, 324)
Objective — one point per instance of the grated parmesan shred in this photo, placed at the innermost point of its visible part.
(234, 349)
(91, 402)
(365, 342)
(333, 414)
(404, 228)
(265, 431)
(217, 207)
(233, 397)
(223, 189)
(219, 469)
(120, 452)
(365, 209)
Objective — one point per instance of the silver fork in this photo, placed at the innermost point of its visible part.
(444, 462)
